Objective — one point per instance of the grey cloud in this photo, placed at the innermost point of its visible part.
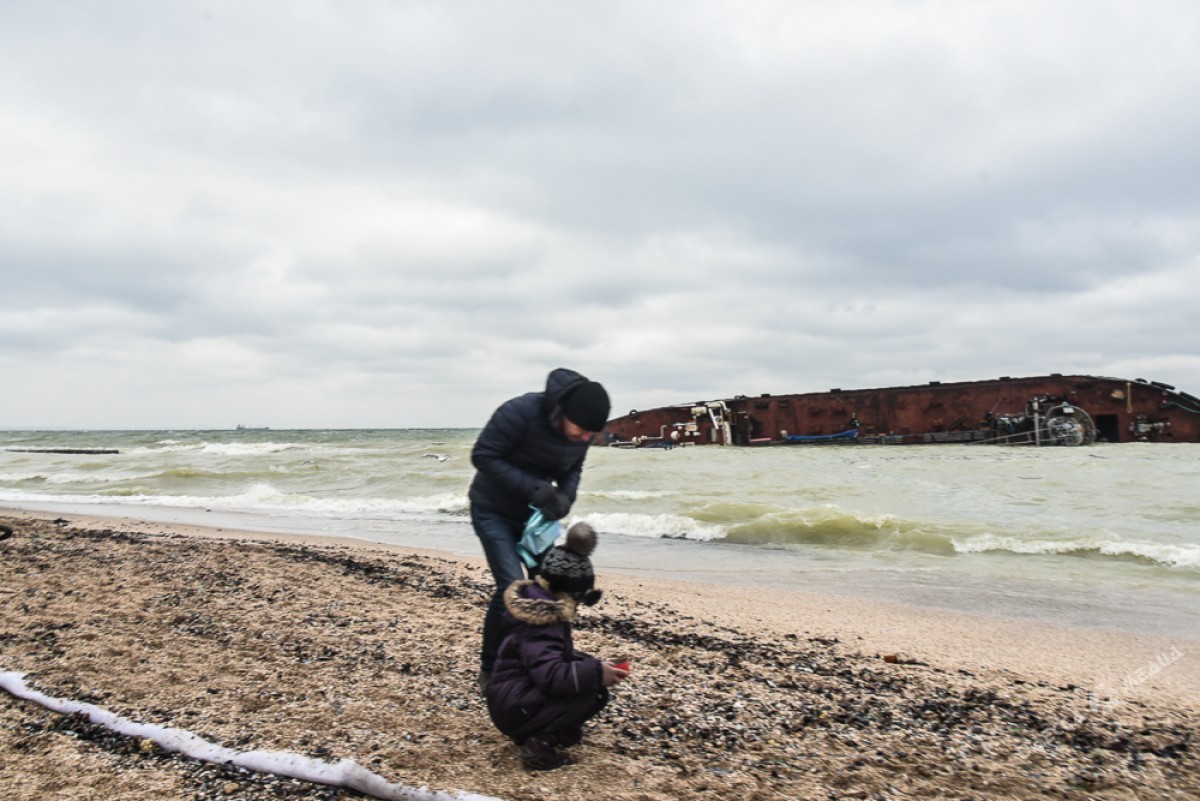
(686, 200)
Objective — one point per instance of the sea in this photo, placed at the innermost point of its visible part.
(1105, 535)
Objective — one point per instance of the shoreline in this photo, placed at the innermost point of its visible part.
(1093, 655)
(246, 637)
(1084, 654)
(1062, 603)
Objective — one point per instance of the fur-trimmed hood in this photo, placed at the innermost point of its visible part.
(532, 602)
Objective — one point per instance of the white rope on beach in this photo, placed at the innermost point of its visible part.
(346, 773)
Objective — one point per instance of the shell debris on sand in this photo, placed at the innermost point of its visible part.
(370, 654)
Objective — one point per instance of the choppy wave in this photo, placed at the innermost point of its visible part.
(660, 526)
(216, 448)
(264, 497)
(177, 474)
(1112, 514)
(828, 527)
(1176, 556)
(625, 495)
(821, 527)
(834, 528)
(22, 478)
(751, 523)
(56, 478)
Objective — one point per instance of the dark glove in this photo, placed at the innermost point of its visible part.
(554, 504)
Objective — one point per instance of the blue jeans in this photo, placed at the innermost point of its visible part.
(499, 536)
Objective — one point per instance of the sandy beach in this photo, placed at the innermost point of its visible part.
(343, 650)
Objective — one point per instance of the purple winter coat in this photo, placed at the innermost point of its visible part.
(540, 684)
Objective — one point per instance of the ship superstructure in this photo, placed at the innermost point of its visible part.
(1043, 410)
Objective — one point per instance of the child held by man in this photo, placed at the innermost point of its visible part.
(542, 690)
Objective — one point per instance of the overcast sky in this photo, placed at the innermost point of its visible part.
(390, 214)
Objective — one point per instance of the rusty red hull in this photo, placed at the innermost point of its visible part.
(1053, 409)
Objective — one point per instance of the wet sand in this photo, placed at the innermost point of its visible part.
(338, 649)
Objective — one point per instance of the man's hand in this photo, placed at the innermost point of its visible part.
(554, 504)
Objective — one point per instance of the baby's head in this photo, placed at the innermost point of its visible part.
(568, 568)
(581, 539)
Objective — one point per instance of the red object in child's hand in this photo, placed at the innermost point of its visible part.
(623, 665)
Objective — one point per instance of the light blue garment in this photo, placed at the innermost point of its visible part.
(537, 538)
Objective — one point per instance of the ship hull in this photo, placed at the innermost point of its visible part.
(1041, 410)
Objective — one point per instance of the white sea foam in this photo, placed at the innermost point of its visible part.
(664, 526)
(265, 497)
(346, 773)
(53, 477)
(212, 448)
(64, 478)
(1179, 556)
(18, 478)
(625, 495)
(1185, 556)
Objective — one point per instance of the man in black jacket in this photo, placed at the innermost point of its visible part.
(530, 452)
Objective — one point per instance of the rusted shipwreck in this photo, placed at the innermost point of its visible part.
(1044, 410)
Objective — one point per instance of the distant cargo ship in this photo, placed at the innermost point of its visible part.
(1042, 410)
(241, 427)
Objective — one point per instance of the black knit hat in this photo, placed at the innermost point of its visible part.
(567, 572)
(587, 406)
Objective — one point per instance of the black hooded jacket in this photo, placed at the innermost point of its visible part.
(522, 446)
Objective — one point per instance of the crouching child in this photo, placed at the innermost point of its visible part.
(542, 690)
